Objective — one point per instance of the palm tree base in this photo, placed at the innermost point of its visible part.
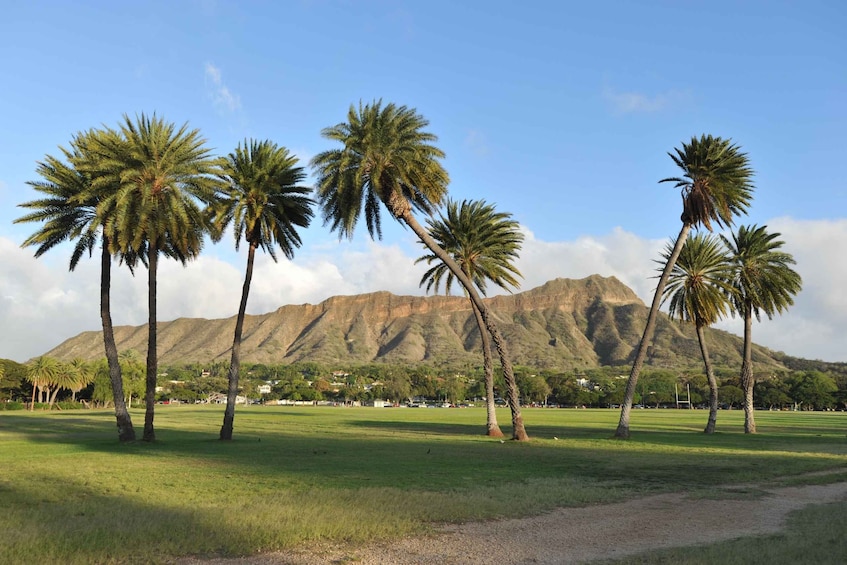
(622, 432)
(519, 433)
(495, 432)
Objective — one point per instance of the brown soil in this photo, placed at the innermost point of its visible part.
(579, 535)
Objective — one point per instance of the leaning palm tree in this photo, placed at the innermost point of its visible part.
(164, 174)
(70, 211)
(716, 186)
(266, 203)
(484, 243)
(763, 282)
(699, 290)
(387, 158)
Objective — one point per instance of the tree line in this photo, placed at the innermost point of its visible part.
(147, 189)
(48, 381)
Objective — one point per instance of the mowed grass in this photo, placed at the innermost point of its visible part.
(70, 493)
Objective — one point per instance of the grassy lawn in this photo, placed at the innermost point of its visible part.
(70, 493)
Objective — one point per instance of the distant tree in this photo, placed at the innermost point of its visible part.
(772, 392)
(266, 203)
(698, 289)
(387, 158)
(716, 186)
(485, 243)
(533, 388)
(84, 373)
(763, 282)
(731, 394)
(42, 372)
(814, 390)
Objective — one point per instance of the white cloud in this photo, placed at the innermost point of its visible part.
(42, 304)
(637, 102)
(222, 97)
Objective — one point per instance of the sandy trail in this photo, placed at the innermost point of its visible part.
(576, 535)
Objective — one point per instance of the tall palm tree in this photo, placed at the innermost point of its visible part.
(484, 243)
(41, 372)
(699, 290)
(70, 211)
(164, 175)
(763, 283)
(388, 158)
(266, 203)
(716, 186)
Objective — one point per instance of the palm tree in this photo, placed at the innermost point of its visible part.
(698, 289)
(484, 243)
(266, 202)
(85, 376)
(65, 377)
(387, 158)
(763, 282)
(41, 372)
(163, 173)
(70, 211)
(716, 186)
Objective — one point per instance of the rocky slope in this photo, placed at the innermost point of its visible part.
(562, 324)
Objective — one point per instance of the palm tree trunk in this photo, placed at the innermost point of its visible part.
(713, 383)
(626, 407)
(32, 404)
(518, 430)
(235, 362)
(747, 379)
(492, 428)
(52, 397)
(152, 360)
(125, 430)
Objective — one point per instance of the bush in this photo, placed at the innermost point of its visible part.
(68, 405)
(12, 406)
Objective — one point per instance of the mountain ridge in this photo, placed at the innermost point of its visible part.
(564, 323)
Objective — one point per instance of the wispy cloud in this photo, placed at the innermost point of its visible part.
(222, 97)
(640, 103)
(476, 143)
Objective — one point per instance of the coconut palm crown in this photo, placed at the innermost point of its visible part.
(386, 158)
(264, 197)
(717, 182)
(698, 287)
(485, 243)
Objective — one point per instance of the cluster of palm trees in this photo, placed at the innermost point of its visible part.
(704, 277)
(148, 189)
(48, 376)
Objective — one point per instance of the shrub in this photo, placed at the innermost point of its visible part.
(12, 406)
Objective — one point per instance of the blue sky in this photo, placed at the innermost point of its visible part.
(561, 113)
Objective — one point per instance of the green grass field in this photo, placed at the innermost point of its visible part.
(71, 493)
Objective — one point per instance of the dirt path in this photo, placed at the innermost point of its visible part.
(578, 535)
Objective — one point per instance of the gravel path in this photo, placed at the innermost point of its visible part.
(576, 535)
